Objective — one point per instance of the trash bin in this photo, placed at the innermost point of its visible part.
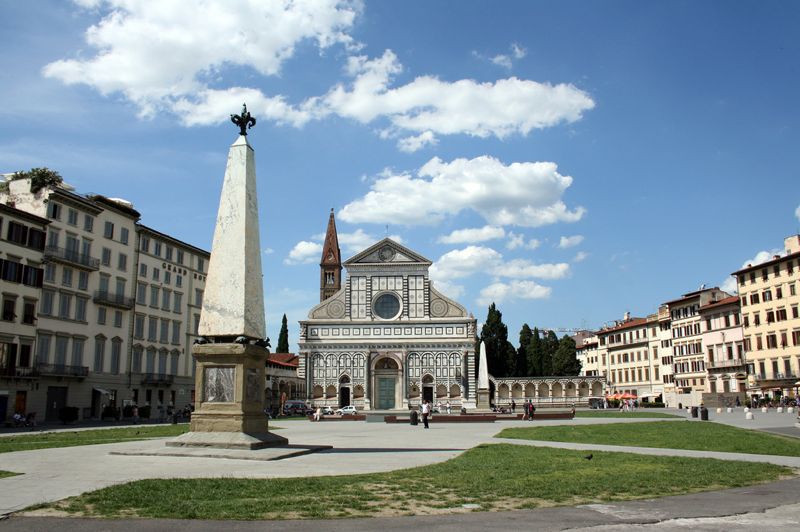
(694, 411)
(414, 417)
(704, 414)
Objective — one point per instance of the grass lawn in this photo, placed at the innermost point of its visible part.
(497, 477)
(4, 474)
(652, 414)
(673, 435)
(27, 442)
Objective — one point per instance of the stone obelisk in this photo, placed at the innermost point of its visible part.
(230, 356)
(483, 382)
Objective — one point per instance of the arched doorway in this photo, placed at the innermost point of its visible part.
(386, 384)
(344, 391)
(427, 388)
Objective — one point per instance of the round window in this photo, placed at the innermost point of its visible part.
(387, 306)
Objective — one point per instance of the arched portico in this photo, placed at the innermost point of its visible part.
(387, 391)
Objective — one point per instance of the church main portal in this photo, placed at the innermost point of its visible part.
(386, 375)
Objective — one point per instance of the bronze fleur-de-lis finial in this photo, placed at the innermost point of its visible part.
(244, 120)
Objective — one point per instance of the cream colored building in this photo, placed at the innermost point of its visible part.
(22, 239)
(769, 298)
(723, 342)
(85, 318)
(588, 356)
(629, 365)
(689, 362)
(171, 277)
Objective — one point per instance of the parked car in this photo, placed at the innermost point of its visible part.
(348, 410)
(327, 411)
(296, 408)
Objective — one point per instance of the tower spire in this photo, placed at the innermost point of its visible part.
(330, 264)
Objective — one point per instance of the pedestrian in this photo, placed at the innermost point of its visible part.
(426, 410)
(318, 414)
(447, 405)
(135, 413)
(533, 410)
(513, 406)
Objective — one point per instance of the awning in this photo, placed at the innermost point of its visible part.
(102, 391)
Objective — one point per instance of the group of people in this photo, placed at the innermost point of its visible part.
(21, 420)
(529, 409)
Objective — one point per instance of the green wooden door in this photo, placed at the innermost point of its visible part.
(385, 393)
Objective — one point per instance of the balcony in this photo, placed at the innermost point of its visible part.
(19, 373)
(724, 364)
(115, 300)
(71, 257)
(61, 370)
(157, 379)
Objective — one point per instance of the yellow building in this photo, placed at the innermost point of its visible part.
(769, 304)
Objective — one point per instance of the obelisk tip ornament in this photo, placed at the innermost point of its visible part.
(245, 121)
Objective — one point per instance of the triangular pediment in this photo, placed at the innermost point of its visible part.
(387, 251)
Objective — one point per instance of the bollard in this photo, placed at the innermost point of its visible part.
(719, 410)
(748, 415)
(730, 409)
(746, 409)
(764, 409)
(780, 410)
(790, 410)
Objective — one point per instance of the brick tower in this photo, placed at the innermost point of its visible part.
(330, 266)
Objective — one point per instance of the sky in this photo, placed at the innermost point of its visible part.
(568, 161)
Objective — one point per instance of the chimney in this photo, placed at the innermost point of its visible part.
(627, 316)
(792, 244)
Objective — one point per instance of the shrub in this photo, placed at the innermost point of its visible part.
(68, 414)
(652, 405)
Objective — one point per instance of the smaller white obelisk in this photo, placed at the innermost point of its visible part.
(483, 381)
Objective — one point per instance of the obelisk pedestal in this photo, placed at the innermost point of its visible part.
(484, 403)
(230, 378)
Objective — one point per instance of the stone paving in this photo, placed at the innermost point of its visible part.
(358, 447)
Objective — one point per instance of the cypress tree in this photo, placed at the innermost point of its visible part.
(522, 368)
(500, 353)
(550, 344)
(535, 354)
(283, 337)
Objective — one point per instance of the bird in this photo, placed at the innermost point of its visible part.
(589, 456)
(201, 341)
(241, 340)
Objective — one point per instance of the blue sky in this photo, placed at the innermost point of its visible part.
(569, 160)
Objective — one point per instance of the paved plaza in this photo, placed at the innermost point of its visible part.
(358, 447)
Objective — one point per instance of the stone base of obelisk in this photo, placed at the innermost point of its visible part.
(483, 401)
(229, 384)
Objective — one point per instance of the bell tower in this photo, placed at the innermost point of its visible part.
(330, 266)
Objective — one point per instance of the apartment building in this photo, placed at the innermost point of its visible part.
(689, 364)
(87, 319)
(170, 282)
(768, 294)
(587, 354)
(21, 255)
(723, 341)
(661, 347)
(628, 364)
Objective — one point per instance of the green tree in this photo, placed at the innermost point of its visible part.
(535, 354)
(500, 353)
(521, 366)
(283, 337)
(565, 361)
(549, 344)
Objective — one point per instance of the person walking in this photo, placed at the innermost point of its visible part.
(449, 407)
(426, 410)
(513, 406)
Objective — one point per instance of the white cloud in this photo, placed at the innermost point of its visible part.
(570, 241)
(526, 194)
(465, 106)
(518, 241)
(499, 292)
(461, 263)
(163, 57)
(522, 268)
(304, 253)
(412, 144)
(455, 291)
(580, 256)
(502, 60)
(797, 212)
(159, 53)
(268, 251)
(729, 285)
(468, 236)
(518, 51)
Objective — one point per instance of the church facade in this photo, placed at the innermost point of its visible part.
(383, 338)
